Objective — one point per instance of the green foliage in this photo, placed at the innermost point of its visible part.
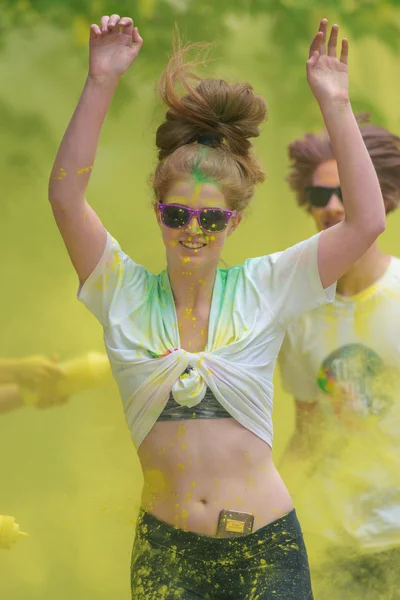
(287, 26)
(206, 19)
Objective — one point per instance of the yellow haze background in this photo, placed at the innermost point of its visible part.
(70, 475)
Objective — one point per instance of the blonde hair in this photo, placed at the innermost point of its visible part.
(207, 131)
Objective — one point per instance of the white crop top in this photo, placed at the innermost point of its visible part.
(252, 305)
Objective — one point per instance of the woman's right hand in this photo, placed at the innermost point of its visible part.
(113, 51)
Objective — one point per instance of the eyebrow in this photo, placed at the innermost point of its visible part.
(178, 197)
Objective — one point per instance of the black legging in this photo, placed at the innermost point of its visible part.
(170, 564)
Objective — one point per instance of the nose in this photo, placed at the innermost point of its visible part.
(335, 205)
(193, 226)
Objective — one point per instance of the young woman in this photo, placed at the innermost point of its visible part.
(193, 349)
(342, 366)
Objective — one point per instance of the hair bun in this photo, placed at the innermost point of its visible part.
(236, 109)
(210, 107)
(213, 113)
(210, 140)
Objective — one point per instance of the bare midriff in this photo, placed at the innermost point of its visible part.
(193, 469)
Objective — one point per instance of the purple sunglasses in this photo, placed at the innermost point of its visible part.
(177, 216)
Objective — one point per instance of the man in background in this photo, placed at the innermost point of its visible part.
(341, 364)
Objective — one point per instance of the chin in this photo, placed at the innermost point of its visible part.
(329, 225)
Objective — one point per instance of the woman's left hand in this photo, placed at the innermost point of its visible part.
(326, 74)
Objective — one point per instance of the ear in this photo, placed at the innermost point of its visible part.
(234, 224)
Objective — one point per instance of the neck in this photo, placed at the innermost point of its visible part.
(191, 287)
(364, 273)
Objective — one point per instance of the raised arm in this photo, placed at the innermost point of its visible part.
(343, 244)
(113, 48)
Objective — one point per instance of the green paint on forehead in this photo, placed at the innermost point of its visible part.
(200, 178)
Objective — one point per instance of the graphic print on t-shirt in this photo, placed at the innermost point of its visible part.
(355, 383)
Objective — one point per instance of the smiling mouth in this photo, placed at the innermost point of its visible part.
(193, 245)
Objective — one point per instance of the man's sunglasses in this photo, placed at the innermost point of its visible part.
(177, 216)
(319, 196)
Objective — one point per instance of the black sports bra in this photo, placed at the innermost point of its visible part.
(208, 408)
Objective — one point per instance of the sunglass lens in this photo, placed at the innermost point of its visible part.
(318, 196)
(213, 220)
(175, 216)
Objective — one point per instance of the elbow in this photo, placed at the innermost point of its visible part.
(370, 230)
(58, 205)
(378, 226)
(377, 222)
(55, 200)
(57, 191)
(65, 199)
(372, 233)
(52, 194)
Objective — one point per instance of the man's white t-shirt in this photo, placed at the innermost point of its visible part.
(346, 357)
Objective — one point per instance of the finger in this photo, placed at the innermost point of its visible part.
(114, 19)
(315, 44)
(127, 25)
(104, 23)
(312, 61)
(344, 54)
(136, 39)
(95, 30)
(323, 27)
(332, 44)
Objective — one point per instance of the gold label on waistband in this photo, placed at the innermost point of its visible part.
(233, 525)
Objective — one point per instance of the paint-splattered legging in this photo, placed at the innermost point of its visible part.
(170, 564)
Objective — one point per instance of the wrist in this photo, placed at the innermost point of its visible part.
(337, 104)
(104, 82)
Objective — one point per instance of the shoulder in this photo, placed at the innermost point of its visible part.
(119, 257)
(278, 268)
(118, 270)
(259, 264)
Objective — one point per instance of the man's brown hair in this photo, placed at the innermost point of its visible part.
(383, 147)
